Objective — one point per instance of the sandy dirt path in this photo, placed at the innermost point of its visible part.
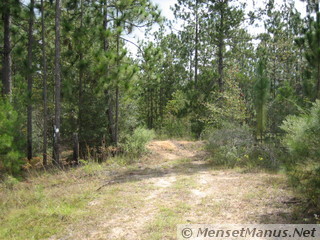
(175, 184)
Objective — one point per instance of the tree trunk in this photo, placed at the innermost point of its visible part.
(148, 109)
(151, 108)
(220, 50)
(30, 81)
(196, 48)
(274, 79)
(110, 113)
(117, 87)
(44, 77)
(80, 96)
(161, 102)
(318, 82)
(57, 75)
(318, 64)
(117, 116)
(220, 65)
(6, 61)
(75, 149)
(190, 65)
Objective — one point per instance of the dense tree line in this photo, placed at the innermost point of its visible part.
(65, 69)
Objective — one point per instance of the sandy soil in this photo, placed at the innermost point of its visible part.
(173, 176)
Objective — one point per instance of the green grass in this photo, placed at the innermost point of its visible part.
(92, 168)
(181, 161)
(36, 215)
(43, 205)
(47, 203)
(213, 207)
(276, 182)
(185, 183)
(164, 224)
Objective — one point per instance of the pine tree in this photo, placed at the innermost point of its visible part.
(6, 59)
(261, 93)
(57, 76)
(30, 80)
(222, 26)
(312, 39)
(191, 13)
(45, 93)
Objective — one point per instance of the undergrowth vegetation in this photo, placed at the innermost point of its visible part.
(235, 146)
(302, 140)
(135, 144)
(176, 120)
(296, 151)
(10, 142)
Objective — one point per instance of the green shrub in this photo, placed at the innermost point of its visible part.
(136, 143)
(177, 127)
(234, 145)
(225, 106)
(229, 145)
(302, 140)
(10, 157)
(10, 181)
(176, 120)
(265, 155)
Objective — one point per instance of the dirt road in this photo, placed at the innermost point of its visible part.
(174, 184)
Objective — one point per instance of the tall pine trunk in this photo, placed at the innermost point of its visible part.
(110, 112)
(117, 116)
(6, 61)
(221, 46)
(220, 65)
(318, 55)
(196, 47)
(80, 96)
(117, 85)
(220, 51)
(30, 81)
(318, 81)
(261, 93)
(44, 79)
(57, 75)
